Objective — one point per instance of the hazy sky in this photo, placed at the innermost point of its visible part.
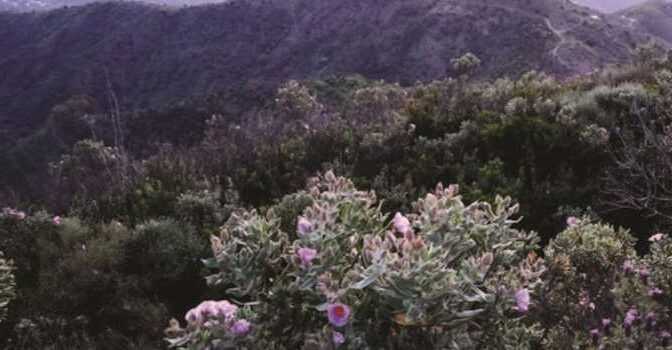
(609, 5)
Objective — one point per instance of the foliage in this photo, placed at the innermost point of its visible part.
(602, 295)
(444, 277)
(7, 285)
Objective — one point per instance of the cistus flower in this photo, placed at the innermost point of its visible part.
(522, 297)
(665, 335)
(210, 308)
(573, 221)
(56, 221)
(402, 225)
(303, 226)
(240, 327)
(628, 266)
(630, 317)
(193, 316)
(585, 302)
(17, 214)
(338, 314)
(224, 309)
(606, 322)
(655, 292)
(656, 238)
(338, 338)
(644, 273)
(306, 255)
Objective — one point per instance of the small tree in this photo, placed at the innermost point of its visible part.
(466, 65)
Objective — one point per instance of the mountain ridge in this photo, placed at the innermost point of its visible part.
(154, 56)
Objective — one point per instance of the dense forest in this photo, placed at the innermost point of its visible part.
(342, 212)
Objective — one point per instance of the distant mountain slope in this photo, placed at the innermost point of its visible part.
(654, 17)
(156, 56)
(42, 5)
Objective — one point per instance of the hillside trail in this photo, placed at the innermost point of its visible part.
(560, 33)
(563, 40)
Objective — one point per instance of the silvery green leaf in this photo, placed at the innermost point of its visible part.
(469, 313)
(372, 274)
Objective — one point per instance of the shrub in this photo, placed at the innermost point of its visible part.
(164, 255)
(606, 296)
(446, 275)
(7, 285)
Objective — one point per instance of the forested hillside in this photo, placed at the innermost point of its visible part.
(152, 57)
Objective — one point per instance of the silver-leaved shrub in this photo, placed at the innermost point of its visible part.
(447, 275)
(7, 285)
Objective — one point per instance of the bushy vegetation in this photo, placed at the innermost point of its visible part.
(116, 244)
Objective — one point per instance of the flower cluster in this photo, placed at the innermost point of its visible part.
(16, 214)
(216, 324)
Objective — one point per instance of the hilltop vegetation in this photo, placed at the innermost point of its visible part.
(108, 247)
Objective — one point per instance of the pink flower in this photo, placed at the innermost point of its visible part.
(585, 302)
(595, 332)
(17, 214)
(207, 308)
(630, 317)
(306, 255)
(240, 327)
(338, 338)
(303, 227)
(338, 314)
(573, 221)
(193, 316)
(522, 297)
(57, 221)
(656, 238)
(665, 335)
(224, 309)
(402, 225)
(644, 273)
(606, 322)
(220, 309)
(655, 292)
(628, 266)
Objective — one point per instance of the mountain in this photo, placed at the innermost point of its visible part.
(609, 6)
(153, 56)
(654, 17)
(42, 5)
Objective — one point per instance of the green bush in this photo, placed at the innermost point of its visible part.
(165, 256)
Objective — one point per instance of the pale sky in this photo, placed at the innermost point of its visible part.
(609, 5)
